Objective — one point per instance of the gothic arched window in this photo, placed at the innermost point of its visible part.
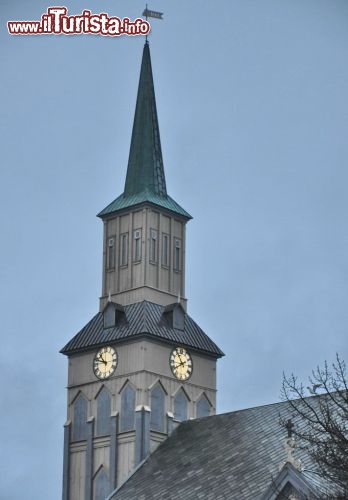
(203, 407)
(79, 428)
(127, 408)
(102, 486)
(157, 408)
(103, 413)
(180, 406)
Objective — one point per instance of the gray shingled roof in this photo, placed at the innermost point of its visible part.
(235, 455)
(143, 318)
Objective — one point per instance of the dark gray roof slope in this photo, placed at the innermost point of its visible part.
(231, 456)
(142, 318)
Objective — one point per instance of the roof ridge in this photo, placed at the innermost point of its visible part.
(267, 405)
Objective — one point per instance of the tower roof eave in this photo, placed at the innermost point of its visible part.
(123, 202)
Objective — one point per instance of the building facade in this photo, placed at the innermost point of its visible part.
(141, 365)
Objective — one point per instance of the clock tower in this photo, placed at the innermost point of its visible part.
(141, 365)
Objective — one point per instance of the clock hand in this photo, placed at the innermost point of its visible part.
(102, 360)
(182, 363)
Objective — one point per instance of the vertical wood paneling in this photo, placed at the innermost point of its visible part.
(203, 407)
(89, 460)
(77, 476)
(102, 487)
(79, 429)
(157, 408)
(118, 254)
(142, 434)
(180, 406)
(126, 464)
(104, 259)
(113, 451)
(66, 460)
(150, 362)
(183, 274)
(127, 408)
(103, 424)
(144, 247)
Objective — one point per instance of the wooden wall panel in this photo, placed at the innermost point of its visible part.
(124, 224)
(77, 475)
(101, 455)
(126, 459)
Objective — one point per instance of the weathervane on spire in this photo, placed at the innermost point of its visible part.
(152, 13)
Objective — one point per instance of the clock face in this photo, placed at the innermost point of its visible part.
(105, 362)
(181, 363)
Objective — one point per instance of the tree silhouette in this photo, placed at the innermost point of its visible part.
(321, 410)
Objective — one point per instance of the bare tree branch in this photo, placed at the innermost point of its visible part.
(322, 420)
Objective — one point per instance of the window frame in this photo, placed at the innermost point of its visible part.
(177, 255)
(137, 253)
(153, 250)
(165, 256)
(124, 248)
(110, 266)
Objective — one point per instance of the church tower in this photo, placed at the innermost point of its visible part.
(141, 365)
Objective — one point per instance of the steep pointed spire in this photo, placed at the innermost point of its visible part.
(145, 170)
(145, 181)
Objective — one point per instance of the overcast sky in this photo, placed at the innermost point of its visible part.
(253, 111)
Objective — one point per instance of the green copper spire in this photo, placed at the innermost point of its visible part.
(145, 165)
(145, 180)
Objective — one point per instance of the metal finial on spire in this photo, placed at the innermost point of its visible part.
(145, 11)
(152, 13)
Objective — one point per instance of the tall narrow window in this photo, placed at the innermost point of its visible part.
(127, 408)
(103, 413)
(137, 245)
(177, 254)
(165, 250)
(203, 407)
(153, 246)
(124, 250)
(79, 429)
(157, 408)
(111, 253)
(180, 406)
